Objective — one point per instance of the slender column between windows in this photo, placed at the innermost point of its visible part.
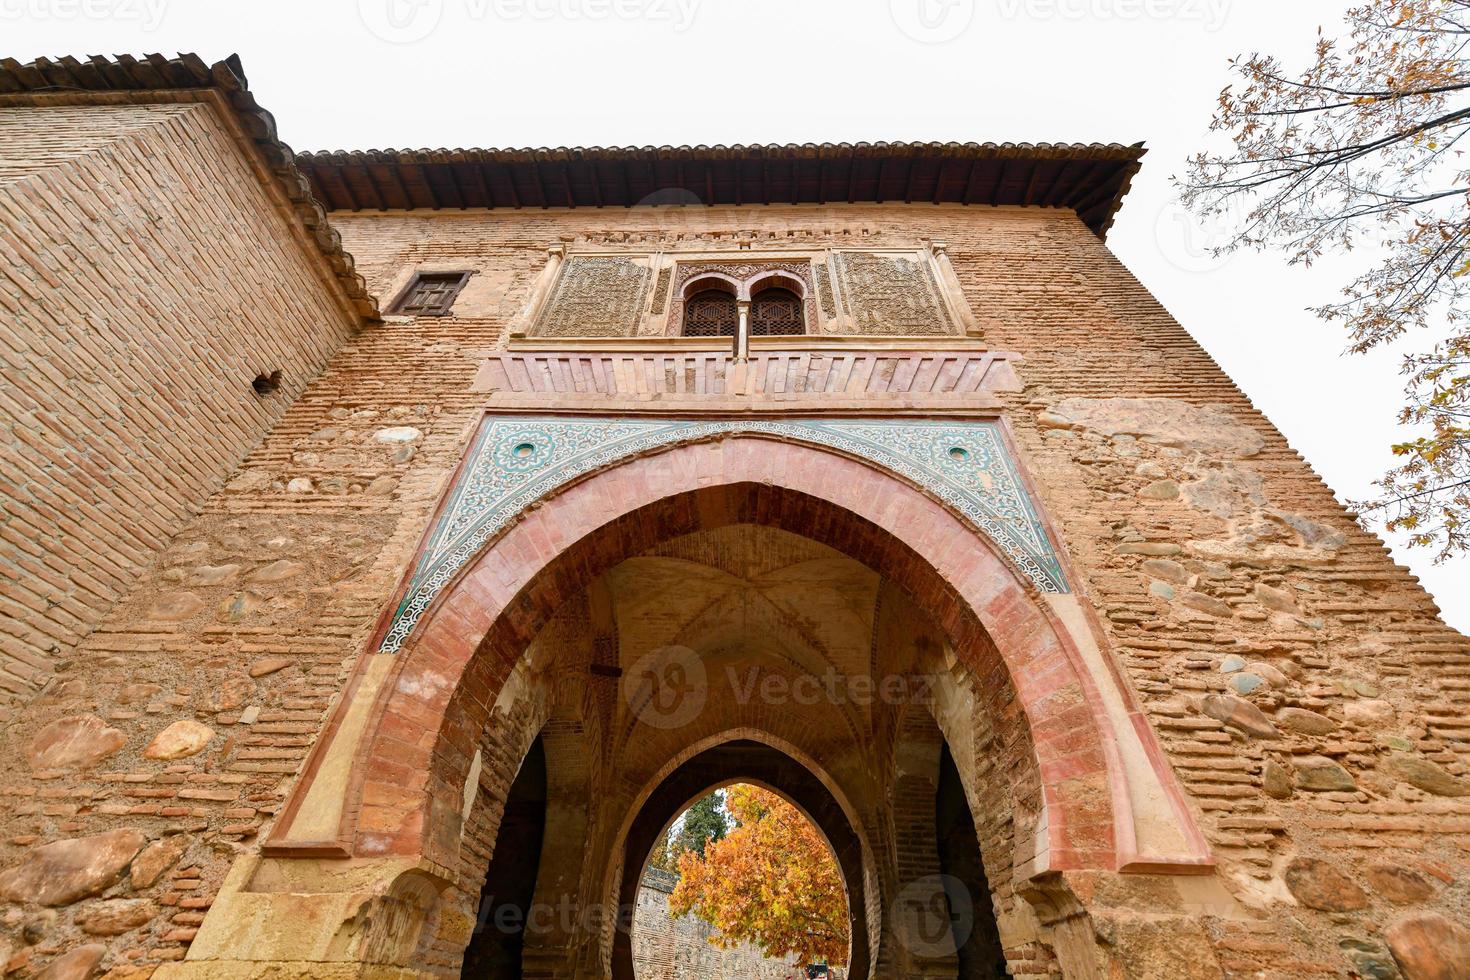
(742, 333)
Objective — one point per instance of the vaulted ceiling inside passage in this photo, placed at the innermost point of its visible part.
(746, 592)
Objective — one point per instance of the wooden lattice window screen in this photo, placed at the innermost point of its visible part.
(776, 313)
(430, 294)
(711, 313)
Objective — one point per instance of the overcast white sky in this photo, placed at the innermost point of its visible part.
(358, 74)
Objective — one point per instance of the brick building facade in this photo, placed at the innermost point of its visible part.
(392, 539)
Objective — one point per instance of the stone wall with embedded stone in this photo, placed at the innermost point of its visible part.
(1306, 693)
(666, 948)
(146, 280)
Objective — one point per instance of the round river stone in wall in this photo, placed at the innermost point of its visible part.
(1304, 721)
(401, 433)
(179, 740)
(269, 665)
(1398, 884)
(157, 858)
(75, 964)
(64, 871)
(176, 608)
(1423, 774)
(1244, 683)
(1276, 780)
(1238, 714)
(1368, 713)
(213, 574)
(1430, 947)
(1160, 490)
(277, 571)
(1316, 772)
(116, 917)
(230, 694)
(1319, 885)
(80, 742)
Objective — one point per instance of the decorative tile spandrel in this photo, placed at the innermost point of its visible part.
(515, 461)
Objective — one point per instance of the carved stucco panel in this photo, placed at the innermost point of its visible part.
(596, 296)
(892, 295)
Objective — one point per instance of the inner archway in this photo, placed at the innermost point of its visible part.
(496, 947)
(976, 936)
(753, 762)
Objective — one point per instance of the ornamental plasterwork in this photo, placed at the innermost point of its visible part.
(893, 295)
(824, 290)
(515, 461)
(596, 296)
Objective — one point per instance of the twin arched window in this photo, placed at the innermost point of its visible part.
(774, 311)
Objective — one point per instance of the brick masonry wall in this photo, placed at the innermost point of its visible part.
(145, 281)
(1243, 556)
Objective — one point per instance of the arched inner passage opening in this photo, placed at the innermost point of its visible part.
(742, 652)
(743, 761)
(496, 945)
(975, 934)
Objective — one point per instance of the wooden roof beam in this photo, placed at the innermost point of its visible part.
(510, 185)
(382, 199)
(1030, 195)
(477, 172)
(449, 171)
(346, 189)
(1000, 180)
(565, 170)
(596, 182)
(540, 185)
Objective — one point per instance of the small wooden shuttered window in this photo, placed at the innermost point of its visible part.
(430, 294)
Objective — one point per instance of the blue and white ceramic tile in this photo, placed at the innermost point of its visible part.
(516, 460)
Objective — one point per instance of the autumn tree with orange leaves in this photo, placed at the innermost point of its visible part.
(772, 882)
(1367, 145)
